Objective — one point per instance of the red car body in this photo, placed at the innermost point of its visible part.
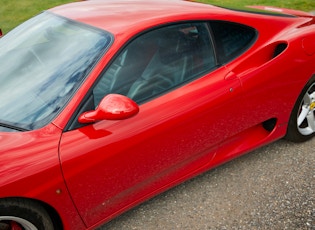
(89, 175)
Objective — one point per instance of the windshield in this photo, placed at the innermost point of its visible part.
(42, 63)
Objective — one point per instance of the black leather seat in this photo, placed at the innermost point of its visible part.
(167, 69)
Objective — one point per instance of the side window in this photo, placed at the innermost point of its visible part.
(231, 39)
(158, 61)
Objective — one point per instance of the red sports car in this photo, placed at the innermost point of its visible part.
(105, 104)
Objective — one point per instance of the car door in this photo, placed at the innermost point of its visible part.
(188, 104)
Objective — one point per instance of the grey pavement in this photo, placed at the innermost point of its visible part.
(270, 188)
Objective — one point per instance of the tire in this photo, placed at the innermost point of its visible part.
(23, 215)
(301, 125)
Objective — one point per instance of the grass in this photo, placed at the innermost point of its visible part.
(305, 5)
(12, 13)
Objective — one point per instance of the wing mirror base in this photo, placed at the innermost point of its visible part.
(112, 107)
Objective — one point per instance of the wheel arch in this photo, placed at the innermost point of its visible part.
(53, 214)
(290, 134)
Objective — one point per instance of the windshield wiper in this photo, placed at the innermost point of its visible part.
(9, 126)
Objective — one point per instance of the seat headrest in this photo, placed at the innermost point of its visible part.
(172, 46)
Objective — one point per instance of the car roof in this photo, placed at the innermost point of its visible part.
(117, 16)
(125, 19)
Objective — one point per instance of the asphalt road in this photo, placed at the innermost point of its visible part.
(270, 188)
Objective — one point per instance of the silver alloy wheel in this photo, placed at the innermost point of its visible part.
(25, 224)
(306, 115)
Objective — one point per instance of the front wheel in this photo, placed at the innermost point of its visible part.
(18, 214)
(301, 126)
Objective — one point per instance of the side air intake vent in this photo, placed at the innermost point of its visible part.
(279, 49)
(262, 56)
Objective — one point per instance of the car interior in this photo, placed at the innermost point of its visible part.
(158, 61)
